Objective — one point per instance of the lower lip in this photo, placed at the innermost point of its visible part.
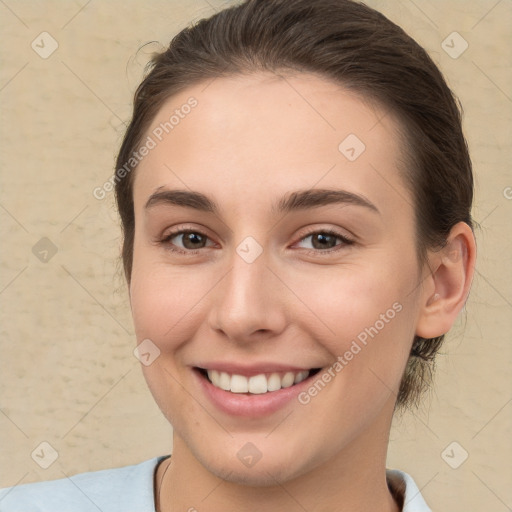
(249, 405)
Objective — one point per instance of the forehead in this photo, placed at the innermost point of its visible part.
(247, 135)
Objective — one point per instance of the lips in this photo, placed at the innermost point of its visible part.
(253, 392)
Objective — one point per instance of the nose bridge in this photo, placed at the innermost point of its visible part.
(246, 300)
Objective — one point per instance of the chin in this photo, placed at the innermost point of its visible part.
(277, 465)
(264, 475)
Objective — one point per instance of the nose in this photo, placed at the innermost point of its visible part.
(247, 304)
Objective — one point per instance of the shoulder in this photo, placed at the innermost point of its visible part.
(112, 490)
(404, 487)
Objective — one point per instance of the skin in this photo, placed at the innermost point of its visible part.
(250, 141)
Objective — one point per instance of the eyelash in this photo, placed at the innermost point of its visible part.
(345, 241)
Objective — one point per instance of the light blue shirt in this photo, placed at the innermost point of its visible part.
(128, 489)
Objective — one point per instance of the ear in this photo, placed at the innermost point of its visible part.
(447, 285)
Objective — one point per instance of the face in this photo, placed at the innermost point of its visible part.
(274, 269)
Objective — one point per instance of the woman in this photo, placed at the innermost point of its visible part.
(295, 194)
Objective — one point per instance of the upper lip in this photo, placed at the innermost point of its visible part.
(249, 370)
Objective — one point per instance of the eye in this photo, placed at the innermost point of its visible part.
(188, 241)
(185, 241)
(325, 240)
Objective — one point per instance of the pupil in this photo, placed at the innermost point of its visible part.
(191, 239)
(324, 241)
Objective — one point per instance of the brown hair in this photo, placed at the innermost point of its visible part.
(357, 47)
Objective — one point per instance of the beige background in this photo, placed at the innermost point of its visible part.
(68, 375)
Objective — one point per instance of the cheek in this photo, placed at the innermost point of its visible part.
(365, 318)
(165, 310)
(164, 300)
(348, 302)
(369, 351)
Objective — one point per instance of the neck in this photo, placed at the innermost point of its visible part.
(353, 479)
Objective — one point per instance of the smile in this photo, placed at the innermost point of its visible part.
(256, 384)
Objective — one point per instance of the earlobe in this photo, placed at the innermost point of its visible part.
(448, 283)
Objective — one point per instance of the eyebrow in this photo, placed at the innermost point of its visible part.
(293, 201)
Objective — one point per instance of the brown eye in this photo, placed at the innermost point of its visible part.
(186, 242)
(323, 241)
(192, 240)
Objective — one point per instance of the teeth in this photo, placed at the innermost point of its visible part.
(274, 382)
(257, 384)
(239, 384)
(287, 380)
(224, 381)
(301, 376)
